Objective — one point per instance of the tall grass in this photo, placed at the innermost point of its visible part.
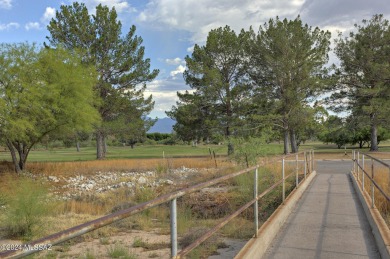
(87, 167)
(26, 205)
(381, 175)
(239, 191)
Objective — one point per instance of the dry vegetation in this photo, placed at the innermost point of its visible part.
(197, 212)
(381, 175)
(204, 208)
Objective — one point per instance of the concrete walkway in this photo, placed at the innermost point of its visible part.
(328, 221)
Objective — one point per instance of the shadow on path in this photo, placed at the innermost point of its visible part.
(328, 221)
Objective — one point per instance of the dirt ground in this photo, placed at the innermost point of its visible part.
(100, 248)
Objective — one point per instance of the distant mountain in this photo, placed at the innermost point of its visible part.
(163, 125)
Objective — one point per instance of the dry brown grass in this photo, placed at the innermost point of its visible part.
(381, 176)
(74, 212)
(71, 212)
(87, 167)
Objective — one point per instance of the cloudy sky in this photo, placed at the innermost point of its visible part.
(170, 28)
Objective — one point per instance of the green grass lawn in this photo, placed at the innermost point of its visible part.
(139, 152)
(332, 148)
(157, 151)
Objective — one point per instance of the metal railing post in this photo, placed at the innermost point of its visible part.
(256, 204)
(283, 184)
(312, 169)
(353, 161)
(372, 184)
(173, 228)
(358, 155)
(363, 173)
(296, 171)
(305, 162)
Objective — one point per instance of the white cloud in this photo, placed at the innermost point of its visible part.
(200, 16)
(6, 4)
(9, 26)
(163, 99)
(179, 70)
(50, 13)
(120, 5)
(164, 92)
(190, 49)
(32, 26)
(341, 14)
(175, 61)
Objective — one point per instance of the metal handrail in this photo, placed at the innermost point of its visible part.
(357, 166)
(25, 249)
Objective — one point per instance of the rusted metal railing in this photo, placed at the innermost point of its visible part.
(308, 160)
(360, 161)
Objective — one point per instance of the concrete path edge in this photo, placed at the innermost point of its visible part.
(257, 246)
(380, 230)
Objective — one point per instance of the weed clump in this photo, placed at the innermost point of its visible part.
(206, 249)
(26, 206)
(120, 251)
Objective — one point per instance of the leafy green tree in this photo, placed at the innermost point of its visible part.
(157, 136)
(361, 132)
(287, 67)
(306, 123)
(216, 73)
(335, 130)
(74, 138)
(42, 92)
(330, 125)
(194, 121)
(364, 86)
(119, 60)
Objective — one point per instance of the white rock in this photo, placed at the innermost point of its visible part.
(142, 180)
(170, 182)
(53, 179)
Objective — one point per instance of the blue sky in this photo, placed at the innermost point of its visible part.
(170, 28)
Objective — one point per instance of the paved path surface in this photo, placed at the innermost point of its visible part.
(328, 222)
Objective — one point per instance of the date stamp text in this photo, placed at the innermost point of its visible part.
(25, 247)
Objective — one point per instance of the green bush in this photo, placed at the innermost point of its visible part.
(248, 150)
(26, 208)
(119, 251)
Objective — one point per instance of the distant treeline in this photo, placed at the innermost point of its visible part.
(156, 136)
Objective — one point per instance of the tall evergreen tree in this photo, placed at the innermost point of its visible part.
(119, 60)
(194, 121)
(287, 68)
(216, 73)
(364, 74)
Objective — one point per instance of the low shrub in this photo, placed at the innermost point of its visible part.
(26, 207)
(119, 251)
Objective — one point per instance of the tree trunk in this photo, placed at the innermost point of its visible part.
(78, 146)
(230, 148)
(285, 139)
(374, 136)
(230, 144)
(293, 140)
(22, 159)
(14, 158)
(100, 149)
(285, 142)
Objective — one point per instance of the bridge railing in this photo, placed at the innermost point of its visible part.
(373, 176)
(303, 166)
